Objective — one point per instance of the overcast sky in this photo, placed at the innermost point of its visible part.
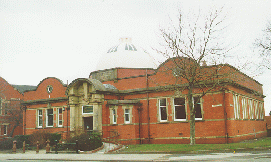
(66, 38)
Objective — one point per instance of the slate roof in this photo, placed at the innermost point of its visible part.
(24, 88)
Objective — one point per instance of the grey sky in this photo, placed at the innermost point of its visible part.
(65, 38)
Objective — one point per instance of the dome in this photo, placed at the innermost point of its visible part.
(125, 55)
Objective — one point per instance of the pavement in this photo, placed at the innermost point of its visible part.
(103, 155)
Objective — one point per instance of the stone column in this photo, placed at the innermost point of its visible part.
(95, 116)
(100, 120)
(72, 117)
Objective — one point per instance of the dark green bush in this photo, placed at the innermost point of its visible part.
(53, 137)
(6, 144)
(40, 136)
(20, 139)
(87, 141)
(31, 140)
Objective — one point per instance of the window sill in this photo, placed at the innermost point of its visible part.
(163, 122)
(127, 124)
(113, 124)
(199, 120)
(180, 121)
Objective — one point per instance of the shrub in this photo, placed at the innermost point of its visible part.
(40, 136)
(20, 139)
(6, 144)
(53, 137)
(87, 141)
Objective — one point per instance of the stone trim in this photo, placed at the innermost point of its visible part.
(45, 101)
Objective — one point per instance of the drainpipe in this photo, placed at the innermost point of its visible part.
(148, 105)
(225, 117)
(68, 108)
(139, 123)
(24, 122)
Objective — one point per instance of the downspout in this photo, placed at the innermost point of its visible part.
(68, 108)
(139, 123)
(225, 118)
(24, 121)
(148, 105)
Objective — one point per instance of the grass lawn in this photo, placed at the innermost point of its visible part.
(263, 143)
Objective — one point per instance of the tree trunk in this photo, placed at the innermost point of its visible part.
(192, 115)
(12, 131)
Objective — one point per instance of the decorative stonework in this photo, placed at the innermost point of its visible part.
(105, 75)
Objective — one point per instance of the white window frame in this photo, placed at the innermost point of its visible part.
(5, 130)
(113, 114)
(87, 106)
(201, 111)
(163, 106)
(244, 107)
(38, 118)
(251, 110)
(47, 118)
(129, 114)
(236, 106)
(261, 110)
(256, 106)
(174, 109)
(58, 117)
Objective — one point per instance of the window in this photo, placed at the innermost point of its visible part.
(6, 108)
(60, 117)
(244, 107)
(197, 108)
(127, 115)
(261, 110)
(256, 109)
(179, 109)
(87, 109)
(39, 118)
(251, 110)
(163, 109)
(50, 118)
(113, 114)
(5, 129)
(236, 106)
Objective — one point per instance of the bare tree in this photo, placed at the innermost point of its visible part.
(14, 114)
(191, 42)
(10, 108)
(264, 45)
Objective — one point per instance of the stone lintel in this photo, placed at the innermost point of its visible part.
(121, 102)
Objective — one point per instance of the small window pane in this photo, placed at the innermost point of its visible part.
(163, 113)
(197, 107)
(5, 130)
(114, 116)
(180, 112)
(50, 117)
(127, 115)
(39, 118)
(179, 101)
(163, 102)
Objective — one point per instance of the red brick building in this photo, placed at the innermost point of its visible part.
(129, 98)
(10, 110)
(46, 108)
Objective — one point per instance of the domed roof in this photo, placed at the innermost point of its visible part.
(125, 55)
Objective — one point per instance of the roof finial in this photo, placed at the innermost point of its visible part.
(125, 40)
